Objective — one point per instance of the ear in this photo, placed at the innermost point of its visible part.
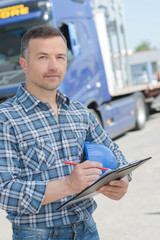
(23, 63)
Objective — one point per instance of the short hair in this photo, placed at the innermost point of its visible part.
(41, 31)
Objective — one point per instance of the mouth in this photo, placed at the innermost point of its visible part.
(52, 76)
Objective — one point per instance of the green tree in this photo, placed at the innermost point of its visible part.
(143, 46)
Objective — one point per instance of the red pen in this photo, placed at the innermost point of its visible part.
(72, 163)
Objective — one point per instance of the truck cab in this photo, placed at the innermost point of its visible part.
(95, 76)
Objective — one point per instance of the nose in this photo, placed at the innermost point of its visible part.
(53, 64)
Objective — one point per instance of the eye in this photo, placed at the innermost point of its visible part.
(43, 57)
(61, 57)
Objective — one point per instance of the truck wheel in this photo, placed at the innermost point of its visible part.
(140, 111)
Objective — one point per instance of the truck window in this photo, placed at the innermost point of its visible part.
(13, 26)
(71, 34)
(17, 19)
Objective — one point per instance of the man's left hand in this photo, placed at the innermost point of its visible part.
(116, 189)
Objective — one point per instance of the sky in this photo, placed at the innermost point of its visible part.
(142, 22)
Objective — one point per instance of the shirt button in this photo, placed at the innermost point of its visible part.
(74, 226)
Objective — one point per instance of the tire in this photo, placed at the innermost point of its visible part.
(140, 111)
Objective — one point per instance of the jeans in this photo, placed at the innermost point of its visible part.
(85, 230)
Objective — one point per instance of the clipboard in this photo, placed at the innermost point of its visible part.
(104, 180)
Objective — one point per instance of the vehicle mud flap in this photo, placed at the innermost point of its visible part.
(140, 110)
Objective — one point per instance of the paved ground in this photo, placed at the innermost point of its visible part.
(137, 215)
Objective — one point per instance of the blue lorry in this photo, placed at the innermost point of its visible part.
(98, 73)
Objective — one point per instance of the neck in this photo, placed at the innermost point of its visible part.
(43, 95)
(46, 96)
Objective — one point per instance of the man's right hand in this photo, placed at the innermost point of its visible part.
(83, 175)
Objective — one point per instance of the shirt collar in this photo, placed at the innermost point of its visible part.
(62, 99)
(29, 102)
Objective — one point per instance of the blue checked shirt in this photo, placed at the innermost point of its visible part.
(33, 148)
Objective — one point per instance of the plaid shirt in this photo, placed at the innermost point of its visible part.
(33, 148)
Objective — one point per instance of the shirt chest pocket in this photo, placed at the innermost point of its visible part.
(80, 137)
(36, 155)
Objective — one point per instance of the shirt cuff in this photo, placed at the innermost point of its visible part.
(33, 196)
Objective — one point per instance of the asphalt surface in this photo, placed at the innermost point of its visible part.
(137, 215)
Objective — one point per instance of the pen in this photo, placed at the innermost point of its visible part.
(72, 163)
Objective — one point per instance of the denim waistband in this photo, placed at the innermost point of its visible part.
(79, 230)
(52, 229)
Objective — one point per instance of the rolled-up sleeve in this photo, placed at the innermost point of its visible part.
(16, 195)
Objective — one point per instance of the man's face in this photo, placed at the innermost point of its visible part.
(45, 63)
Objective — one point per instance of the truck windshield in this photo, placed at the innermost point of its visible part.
(15, 20)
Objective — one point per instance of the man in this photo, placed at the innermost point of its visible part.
(40, 129)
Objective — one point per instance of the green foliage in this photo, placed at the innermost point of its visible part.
(143, 46)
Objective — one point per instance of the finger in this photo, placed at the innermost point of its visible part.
(91, 164)
(91, 179)
(110, 194)
(113, 189)
(87, 171)
(93, 171)
(114, 196)
(118, 183)
(115, 193)
(110, 189)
